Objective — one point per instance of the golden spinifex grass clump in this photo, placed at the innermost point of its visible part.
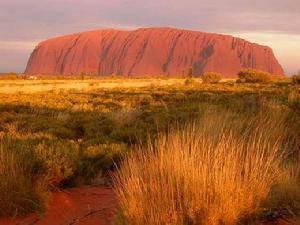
(18, 194)
(214, 171)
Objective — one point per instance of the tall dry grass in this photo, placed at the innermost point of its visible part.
(20, 192)
(15, 187)
(214, 171)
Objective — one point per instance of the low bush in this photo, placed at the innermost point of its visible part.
(211, 77)
(189, 81)
(254, 76)
(59, 161)
(296, 79)
(98, 159)
(10, 76)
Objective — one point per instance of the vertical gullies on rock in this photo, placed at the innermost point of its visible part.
(68, 51)
(165, 67)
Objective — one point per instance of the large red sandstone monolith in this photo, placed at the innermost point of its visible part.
(149, 51)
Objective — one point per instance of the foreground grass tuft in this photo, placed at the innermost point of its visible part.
(20, 193)
(215, 171)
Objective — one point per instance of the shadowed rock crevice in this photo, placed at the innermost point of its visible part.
(64, 63)
(171, 53)
(204, 56)
(106, 46)
(139, 56)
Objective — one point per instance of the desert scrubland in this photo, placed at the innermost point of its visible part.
(175, 151)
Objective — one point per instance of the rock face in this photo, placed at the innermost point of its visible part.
(149, 51)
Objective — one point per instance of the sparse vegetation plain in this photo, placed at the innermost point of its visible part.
(59, 133)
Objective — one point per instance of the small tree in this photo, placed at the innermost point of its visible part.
(211, 77)
(190, 72)
(82, 75)
(296, 78)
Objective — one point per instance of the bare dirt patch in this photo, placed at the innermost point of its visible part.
(85, 205)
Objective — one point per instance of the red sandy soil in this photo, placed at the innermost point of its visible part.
(85, 205)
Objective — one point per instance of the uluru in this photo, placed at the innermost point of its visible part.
(149, 51)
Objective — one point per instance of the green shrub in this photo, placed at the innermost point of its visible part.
(211, 77)
(254, 76)
(59, 160)
(296, 79)
(99, 158)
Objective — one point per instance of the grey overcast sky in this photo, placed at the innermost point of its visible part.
(23, 23)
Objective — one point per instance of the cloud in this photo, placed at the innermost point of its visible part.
(38, 19)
